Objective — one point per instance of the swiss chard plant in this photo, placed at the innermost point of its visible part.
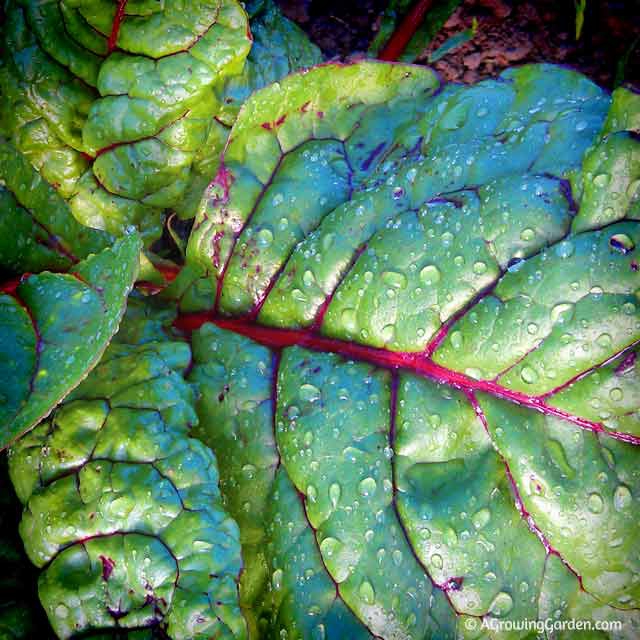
(393, 392)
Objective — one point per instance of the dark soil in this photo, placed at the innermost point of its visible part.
(509, 32)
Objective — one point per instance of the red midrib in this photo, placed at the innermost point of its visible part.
(419, 363)
(115, 27)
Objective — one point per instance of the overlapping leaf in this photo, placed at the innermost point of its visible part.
(53, 329)
(122, 507)
(423, 376)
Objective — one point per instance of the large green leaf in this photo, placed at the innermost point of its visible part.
(122, 507)
(53, 329)
(417, 367)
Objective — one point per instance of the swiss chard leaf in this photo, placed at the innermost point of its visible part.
(420, 369)
(122, 507)
(54, 328)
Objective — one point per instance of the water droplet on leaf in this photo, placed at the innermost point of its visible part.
(430, 275)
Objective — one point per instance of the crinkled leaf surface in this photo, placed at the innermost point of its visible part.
(53, 329)
(122, 508)
(113, 102)
(37, 230)
(419, 365)
(125, 109)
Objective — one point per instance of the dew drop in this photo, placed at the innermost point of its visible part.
(596, 291)
(309, 393)
(595, 503)
(348, 317)
(366, 592)
(329, 546)
(616, 394)
(527, 234)
(249, 471)
(481, 518)
(388, 332)
(296, 294)
(622, 243)
(501, 604)
(61, 611)
(562, 313)
(367, 487)
(308, 278)
(265, 238)
(565, 249)
(529, 375)
(312, 493)
(621, 497)
(334, 494)
(276, 579)
(457, 340)
(604, 340)
(394, 279)
(447, 238)
(479, 267)
(430, 275)
(436, 560)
